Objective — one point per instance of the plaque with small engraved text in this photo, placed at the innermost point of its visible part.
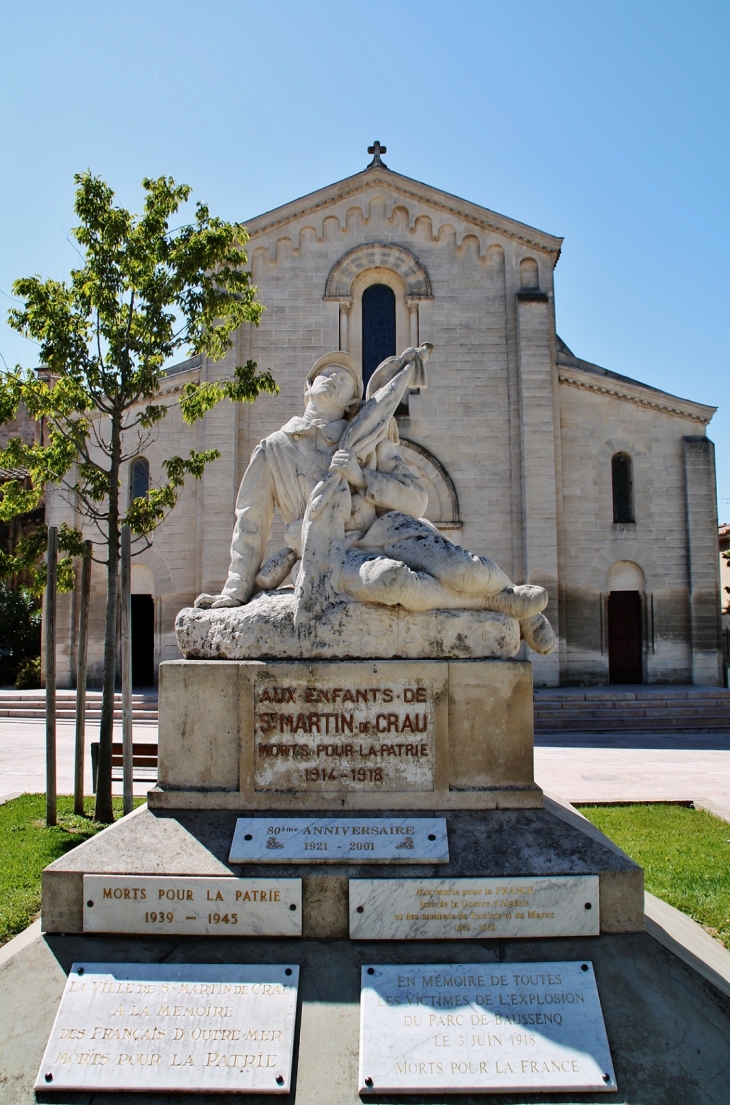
(477, 909)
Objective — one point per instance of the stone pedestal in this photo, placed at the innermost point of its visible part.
(346, 735)
(451, 737)
(537, 842)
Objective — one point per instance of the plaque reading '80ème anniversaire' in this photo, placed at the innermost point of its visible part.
(173, 1027)
(340, 840)
(358, 730)
(466, 1027)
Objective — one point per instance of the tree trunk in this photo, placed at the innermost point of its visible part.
(49, 629)
(104, 811)
(127, 744)
(83, 647)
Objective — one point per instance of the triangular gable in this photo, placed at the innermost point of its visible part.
(576, 372)
(399, 189)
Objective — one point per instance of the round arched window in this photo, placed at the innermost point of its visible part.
(622, 479)
(139, 478)
(378, 327)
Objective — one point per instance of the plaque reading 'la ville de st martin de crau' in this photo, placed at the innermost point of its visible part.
(186, 1028)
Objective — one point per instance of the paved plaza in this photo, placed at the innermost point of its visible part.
(590, 767)
(23, 756)
(636, 767)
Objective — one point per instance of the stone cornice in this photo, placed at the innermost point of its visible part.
(635, 393)
(409, 189)
(171, 385)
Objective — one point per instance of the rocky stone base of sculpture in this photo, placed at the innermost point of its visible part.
(264, 629)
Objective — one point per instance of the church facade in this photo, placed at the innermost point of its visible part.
(596, 486)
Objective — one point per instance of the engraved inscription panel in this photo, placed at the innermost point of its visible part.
(185, 1027)
(192, 905)
(470, 1027)
(438, 909)
(340, 840)
(353, 730)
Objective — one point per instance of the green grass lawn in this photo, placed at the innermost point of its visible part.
(27, 845)
(685, 854)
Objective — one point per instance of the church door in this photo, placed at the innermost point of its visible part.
(143, 641)
(624, 637)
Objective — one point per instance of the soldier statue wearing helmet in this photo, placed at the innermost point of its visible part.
(353, 511)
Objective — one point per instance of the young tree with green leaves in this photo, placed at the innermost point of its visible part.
(142, 292)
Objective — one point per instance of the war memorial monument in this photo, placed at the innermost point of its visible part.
(346, 885)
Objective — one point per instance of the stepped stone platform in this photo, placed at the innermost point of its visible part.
(668, 1028)
(548, 841)
(651, 709)
(31, 705)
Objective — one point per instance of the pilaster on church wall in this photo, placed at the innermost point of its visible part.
(218, 430)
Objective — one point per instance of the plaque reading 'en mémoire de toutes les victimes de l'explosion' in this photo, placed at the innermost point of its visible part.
(482, 1027)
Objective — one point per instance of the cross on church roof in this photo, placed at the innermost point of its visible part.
(376, 149)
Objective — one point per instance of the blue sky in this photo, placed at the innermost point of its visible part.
(605, 122)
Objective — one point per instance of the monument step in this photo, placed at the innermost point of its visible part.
(625, 710)
(668, 1027)
(500, 843)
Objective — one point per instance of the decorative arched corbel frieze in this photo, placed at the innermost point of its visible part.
(375, 255)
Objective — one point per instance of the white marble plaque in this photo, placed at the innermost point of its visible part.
(187, 1027)
(438, 909)
(340, 840)
(489, 1027)
(192, 905)
(360, 727)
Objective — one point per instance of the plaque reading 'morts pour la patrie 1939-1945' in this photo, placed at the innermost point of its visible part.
(482, 1027)
(192, 905)
(185, 1027)
(357, 728)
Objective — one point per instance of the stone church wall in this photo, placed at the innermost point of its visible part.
(595, 426)
(521, 462)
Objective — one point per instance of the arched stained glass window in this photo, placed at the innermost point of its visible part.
(622, 478)
(378, 327)
(139, 478)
